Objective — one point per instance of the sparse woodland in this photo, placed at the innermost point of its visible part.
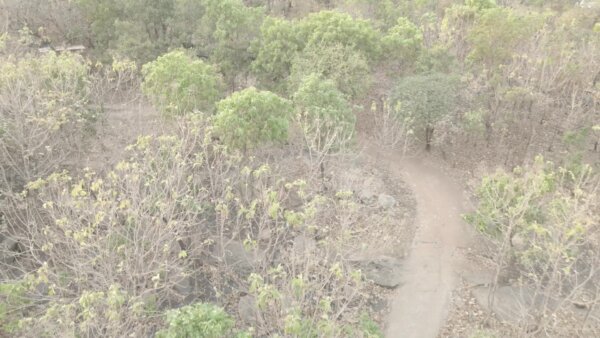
(239, 216)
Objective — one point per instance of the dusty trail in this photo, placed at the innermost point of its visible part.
(421, 303)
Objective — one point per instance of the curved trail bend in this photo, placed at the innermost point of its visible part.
(429, 274)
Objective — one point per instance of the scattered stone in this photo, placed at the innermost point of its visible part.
(184, 285)
(512, 303)
(366, 194)
(520, 242)
(383, 270)
(368, 190)
(238, 258)
(386, 201)
(265, 234)
(248, 310)
(378, 304)
(10, 244)
(9, 249)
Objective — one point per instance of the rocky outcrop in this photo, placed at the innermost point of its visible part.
(384, 271)
(237, 258)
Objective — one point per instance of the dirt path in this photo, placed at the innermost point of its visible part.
(421, 304)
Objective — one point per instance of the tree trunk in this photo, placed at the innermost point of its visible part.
(428, 137)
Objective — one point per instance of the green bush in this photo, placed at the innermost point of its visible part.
(331, 27)
(177, 84)
(136, 29)
(403, 41)
(427, 99)
(498, 32)
(325, 114)
(328, 42)
(197, 321)
(277, 49)
(348, 68)
(481, 4)
(250, 117)
(12, 296)
(225, 33)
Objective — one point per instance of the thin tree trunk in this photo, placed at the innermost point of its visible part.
(428, 137)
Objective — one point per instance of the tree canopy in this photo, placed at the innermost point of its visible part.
(177, 83)
(251, 117)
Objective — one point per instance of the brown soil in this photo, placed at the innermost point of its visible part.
(120, 126)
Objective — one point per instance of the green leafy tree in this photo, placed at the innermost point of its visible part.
(435, 59)
(101, 16)
(326, 116)
(347, 67)
(458, 22)
(277, 48)
(250, 117)
(197, 321)
(498, 32)
(137, 29)
(225, 33)
(328, 42)
(403, 42)
(331, 28)
(455, 27)
(427, 99)
(184, 23)
(481, 4)
(177, 83)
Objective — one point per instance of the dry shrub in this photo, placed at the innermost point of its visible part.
(544, 221)
(44, 114)
(393, 130)
(181, 220)
(119, 82)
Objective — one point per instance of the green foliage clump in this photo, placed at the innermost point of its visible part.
(328, 42)
(481, 4)
(177, 84)
(386, 12)
(279, 43)
(348, 68)
(225, 33)
(327, 117)
(250, 117)
(482, 334)
(331, 27)
(436, 59)
(369, 328)
(137, 29)
(403, 41)
(427, 99)
(12, 296)
(497, 33)
(197, 321)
